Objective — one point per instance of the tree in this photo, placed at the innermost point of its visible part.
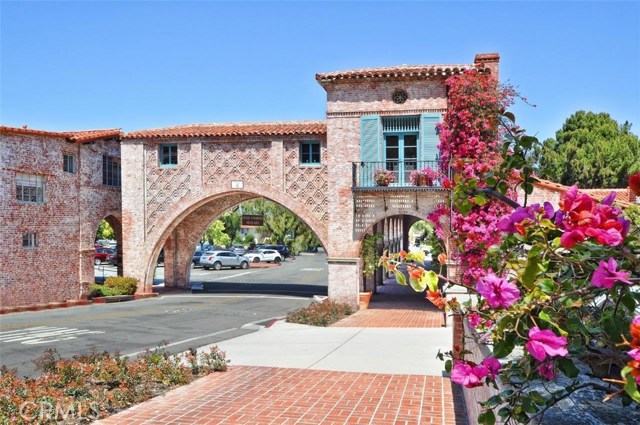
(591, 150)
(105, 231)
(231, 220)
(215, 234)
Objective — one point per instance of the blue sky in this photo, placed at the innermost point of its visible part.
(148, 64)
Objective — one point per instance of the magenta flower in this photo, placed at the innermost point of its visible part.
(467, 374)
(474, 319)
(634, 354)
(498, 291)
(493, 366)
(607, 274)
(546, 370)
(544, 342)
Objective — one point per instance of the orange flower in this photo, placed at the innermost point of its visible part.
(442, 258)
(416, 273)
(436, 299)
(403, 254)
(392, 267)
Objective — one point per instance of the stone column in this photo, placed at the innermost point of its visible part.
(135, 256)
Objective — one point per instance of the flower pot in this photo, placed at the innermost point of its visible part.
(365, 297)
(382, 182)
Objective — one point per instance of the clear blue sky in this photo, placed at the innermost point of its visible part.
(133, 65)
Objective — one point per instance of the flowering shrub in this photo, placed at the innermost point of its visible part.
(428, 173)
(383, 177)
(92, 386)
(553, 288)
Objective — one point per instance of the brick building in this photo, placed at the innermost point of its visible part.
(57, 186)
(54, 195)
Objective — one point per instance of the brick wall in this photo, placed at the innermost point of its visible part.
(61, 266)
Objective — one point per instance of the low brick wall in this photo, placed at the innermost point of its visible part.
(472, 396)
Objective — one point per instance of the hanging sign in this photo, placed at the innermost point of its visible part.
(252, 220)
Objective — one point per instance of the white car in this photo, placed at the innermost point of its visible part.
(220, 259)
(267, 255)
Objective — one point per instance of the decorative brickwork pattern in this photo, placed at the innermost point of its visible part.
(308, 184)
(236, 161)
(373, 206)
(165, 185)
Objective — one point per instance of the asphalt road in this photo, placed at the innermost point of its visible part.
(182, 320)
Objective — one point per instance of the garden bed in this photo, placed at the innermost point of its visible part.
(93, 386)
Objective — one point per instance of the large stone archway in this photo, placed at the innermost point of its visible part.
(213, 171)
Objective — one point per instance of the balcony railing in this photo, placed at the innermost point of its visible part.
(365, 175)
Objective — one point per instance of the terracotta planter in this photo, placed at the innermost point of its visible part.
(365, 297)
(382, 182)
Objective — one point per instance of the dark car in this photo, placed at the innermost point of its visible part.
(101, 255)
(197, 255)
(283, 250)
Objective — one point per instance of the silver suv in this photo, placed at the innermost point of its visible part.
(220, 259)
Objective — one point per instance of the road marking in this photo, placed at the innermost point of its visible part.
(44, 335)
(233, 275)
(183, 341)
(311, 269)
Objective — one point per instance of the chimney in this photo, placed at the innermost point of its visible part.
(490, 62)
(634, 188)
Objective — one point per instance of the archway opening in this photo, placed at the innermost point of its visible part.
(251, 246)
(107, 253)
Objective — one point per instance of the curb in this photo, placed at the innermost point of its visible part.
(74, 303)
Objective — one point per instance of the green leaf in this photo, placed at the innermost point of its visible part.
(504, 347)
(547, 286)
(568, 368)
(528, 405)
(538, 398)
(533, 267)
(417, 256)
(631, 388)
(628, 302)
(480, 199)
(487, 418)
(545, 316)
(417, 284)
(493, 401)
(448, 365)
(430, 279)
(400, 278)
(612, 327)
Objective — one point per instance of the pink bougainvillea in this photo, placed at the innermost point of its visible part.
(543, 343)
(469, 144)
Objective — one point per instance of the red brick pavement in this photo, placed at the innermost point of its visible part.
(396, 306)
(264, 395)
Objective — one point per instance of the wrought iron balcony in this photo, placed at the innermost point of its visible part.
(395, 175)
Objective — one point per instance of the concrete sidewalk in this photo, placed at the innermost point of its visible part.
(298, 374)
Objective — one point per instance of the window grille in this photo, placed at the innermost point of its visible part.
(111, 171)
(30, 240)
(69, 163)
(30, 188)
(401, 124)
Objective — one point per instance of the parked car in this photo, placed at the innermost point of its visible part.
(100, 255)
(220, 259)
(112, 259)
(283, 250)
(267, 255)
(197, 255)
(238, 249)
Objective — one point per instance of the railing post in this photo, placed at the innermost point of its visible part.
(353, 174)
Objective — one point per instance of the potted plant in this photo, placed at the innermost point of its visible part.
(425, 177)
(383, 177)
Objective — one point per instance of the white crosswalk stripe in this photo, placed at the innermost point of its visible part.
(43, 335)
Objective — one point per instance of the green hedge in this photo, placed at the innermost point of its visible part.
(114, 285)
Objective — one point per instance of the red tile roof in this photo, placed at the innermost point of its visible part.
(233, 129)
(397, 72)
(622, 195)
(73, 136)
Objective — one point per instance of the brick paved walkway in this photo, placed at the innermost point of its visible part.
(261, 396)
(396, 306)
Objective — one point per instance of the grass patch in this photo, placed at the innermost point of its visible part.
(88, 387)
(320, 314)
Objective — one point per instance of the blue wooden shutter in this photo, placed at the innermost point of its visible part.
(370, 138)
(428, 137)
